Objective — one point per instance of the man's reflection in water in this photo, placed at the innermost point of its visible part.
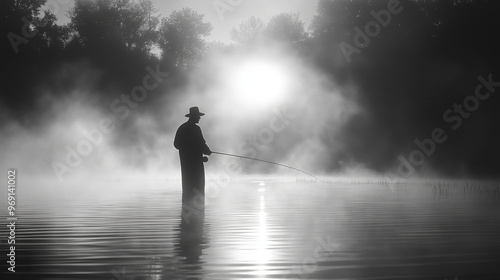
(191, 233)
(189, 242)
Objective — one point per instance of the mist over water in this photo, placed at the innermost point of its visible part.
(393, 147)
(296, 102)
(100, 138)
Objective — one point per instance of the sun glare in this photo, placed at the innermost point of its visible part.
(258, 83)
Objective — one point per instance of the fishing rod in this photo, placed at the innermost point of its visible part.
(266, 161)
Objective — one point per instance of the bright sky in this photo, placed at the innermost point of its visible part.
(223, 14)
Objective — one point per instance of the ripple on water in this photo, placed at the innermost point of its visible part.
(298, 231)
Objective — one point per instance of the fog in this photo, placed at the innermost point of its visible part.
(80, 136)
(301, 104)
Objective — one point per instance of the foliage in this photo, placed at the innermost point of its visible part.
(117, 25)
(250, 31)
(286, 28)
(181, 38)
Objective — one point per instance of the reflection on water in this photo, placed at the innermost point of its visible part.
(191, 235)
(263, 231)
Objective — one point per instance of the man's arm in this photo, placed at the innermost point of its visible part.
(204, 148)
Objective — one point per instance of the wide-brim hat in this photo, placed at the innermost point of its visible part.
(194, 112)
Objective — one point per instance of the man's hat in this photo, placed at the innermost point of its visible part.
(194, 111)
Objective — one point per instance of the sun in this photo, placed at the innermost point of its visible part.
(258, 83)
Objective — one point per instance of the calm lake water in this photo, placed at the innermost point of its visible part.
(258, 230)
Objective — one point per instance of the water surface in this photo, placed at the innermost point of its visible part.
(260, 230)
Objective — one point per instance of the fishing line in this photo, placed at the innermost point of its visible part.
(266, 161)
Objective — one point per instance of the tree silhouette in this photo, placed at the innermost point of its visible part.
(409, 73)
(250, 31)
(182, 38)
(286, 27)
(30, 41)
(108, 27)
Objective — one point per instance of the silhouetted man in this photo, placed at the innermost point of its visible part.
(191, 145)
